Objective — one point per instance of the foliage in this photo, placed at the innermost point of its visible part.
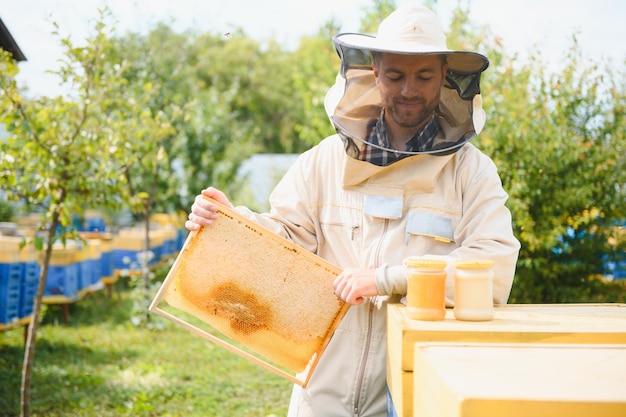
(147, 131)
(377, 11)
(97, 364)
(313, 68)
(153, 101)
(65, 155)
(194, 87)
(143, 288)
(52, 139)
(61, 155)
(233, 97)
(6, 211)
(558, 139)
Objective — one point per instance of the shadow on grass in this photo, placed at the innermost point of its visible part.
(95, 308)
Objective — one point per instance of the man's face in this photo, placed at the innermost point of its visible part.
(410, 86)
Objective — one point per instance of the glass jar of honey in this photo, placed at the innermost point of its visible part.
(426, 287)
(473, 290)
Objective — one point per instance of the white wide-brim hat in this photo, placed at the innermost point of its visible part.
(414, 30)
(354, 100)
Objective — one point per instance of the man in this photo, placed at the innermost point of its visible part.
(399, 179)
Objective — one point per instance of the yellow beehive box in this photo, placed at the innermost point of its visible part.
(157, 237)
(29, 253)
(82, 253)
(94, 246)
(135, 239)
(106, 258)
(104, 239)
(129, 240)
(170, 232)
(10, 249)
(63, 255)
(178, 219)
(27, 232)
(519, 380)
(161, 218)
(106, 245)
(29, 221)
(514, 323)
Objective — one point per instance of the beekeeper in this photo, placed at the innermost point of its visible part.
(400, 178)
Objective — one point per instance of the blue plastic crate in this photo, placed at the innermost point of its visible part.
(10, 274)
(28, 287)
(96, 270)
(94, 224)
(107, 264)
(62, 281)
(165, 248)
(180, 238)
(122, 255)
(157, 252)
(172, 246)
(84, 274)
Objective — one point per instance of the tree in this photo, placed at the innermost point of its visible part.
(565, 160)
(197, 83)
(148, 174)
(62, 155)
(375, 13)
(558, 139)
(314, 66)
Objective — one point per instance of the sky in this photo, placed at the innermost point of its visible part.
(523, 25)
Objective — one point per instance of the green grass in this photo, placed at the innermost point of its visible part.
(98, 364)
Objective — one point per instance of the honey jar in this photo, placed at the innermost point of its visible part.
(473, 290)
(426, 286)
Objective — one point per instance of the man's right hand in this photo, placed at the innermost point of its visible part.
(203, 212)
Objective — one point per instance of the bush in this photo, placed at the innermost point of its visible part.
(6, 211)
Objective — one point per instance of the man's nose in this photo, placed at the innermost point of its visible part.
(410, 88)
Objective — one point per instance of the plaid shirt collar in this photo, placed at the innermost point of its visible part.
(377, 136)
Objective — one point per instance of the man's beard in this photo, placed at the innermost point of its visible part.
(412, 119)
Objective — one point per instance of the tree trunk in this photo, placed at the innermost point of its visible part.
(145, 268)
(31, 339)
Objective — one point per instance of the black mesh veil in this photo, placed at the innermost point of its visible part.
(355, 99)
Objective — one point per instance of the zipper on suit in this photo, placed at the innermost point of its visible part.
(370, 319)
(368, 342)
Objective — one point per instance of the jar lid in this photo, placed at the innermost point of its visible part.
(474, 264)
(425, 263)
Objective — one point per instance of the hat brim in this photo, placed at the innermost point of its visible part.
(459, 61)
